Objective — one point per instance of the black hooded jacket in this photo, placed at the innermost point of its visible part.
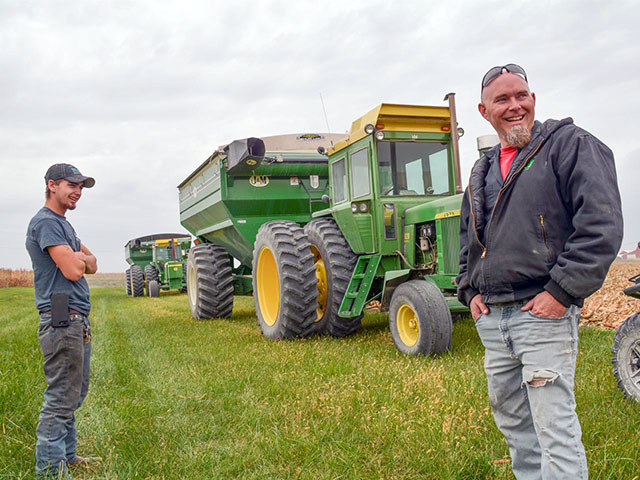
(556, 224)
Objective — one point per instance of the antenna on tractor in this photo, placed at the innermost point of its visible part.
(324, 110)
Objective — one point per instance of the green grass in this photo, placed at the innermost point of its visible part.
(172, 397)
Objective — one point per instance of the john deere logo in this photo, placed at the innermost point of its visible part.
(259, 180)
(251, 162)
(310, 136)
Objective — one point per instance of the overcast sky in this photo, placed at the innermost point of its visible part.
(139, 93)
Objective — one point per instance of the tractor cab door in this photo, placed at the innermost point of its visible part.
(352, 195)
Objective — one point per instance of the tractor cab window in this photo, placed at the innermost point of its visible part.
(339, 178)
(162, 253)
(413, 168)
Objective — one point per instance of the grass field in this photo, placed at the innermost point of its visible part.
(175, 398)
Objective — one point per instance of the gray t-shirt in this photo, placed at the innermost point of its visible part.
(47, 229)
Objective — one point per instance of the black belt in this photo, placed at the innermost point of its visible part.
(71, 312)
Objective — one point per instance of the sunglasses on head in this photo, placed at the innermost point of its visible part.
(495, 72)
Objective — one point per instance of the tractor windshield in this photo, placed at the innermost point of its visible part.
(413, 168)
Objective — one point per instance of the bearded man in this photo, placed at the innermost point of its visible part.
(540, 224)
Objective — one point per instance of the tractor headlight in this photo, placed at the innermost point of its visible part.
(379, 135)
(354, 207)
(368, 129)
(363, 207)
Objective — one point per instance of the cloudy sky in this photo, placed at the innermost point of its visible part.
(138, 93)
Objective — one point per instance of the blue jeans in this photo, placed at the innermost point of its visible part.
(530, 363)
(67, 355)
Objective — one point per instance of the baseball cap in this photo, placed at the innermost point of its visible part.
(68, 172)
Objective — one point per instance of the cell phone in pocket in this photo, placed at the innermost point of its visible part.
(59, 310)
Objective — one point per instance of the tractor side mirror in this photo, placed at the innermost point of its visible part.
(244, 155)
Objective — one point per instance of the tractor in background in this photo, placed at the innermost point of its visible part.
(156, 263)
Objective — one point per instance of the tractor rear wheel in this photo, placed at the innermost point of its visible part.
(154, 288)
(209, 282)
(284, 281)
(150, 274)
(127, 280)
(334, 261)
(137, 281)
(419, 319)
(626, 357)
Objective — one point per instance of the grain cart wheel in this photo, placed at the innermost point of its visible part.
(150, 274)
(334, 261)
(419, 319)
(154, 288)
(127, 280)
(284, 281)
(626, 357)
(137, 281)
(209, 282)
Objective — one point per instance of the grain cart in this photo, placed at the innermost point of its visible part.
(229, 197)
(390, 232)
(156, 263)
(626, 348)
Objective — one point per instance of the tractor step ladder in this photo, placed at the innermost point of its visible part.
(357, 292)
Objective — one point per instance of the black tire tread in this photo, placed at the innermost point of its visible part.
(296, 272)
(137, 281)
(127, 280)
(629, 331)
(340, 262)
(215, 281)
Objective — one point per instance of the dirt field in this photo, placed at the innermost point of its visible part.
(609, 306)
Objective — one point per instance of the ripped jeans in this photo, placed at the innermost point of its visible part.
(530, 363)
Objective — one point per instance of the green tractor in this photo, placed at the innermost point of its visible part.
(157, 263)
(381, 223)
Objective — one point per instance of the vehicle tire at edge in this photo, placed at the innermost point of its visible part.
(127, 280)
(209, 282)
(284, 281)
(419, 319)
(335, 262)
(154, 288)
(150, 273)
(626, 357)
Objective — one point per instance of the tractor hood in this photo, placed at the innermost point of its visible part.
(443, 207)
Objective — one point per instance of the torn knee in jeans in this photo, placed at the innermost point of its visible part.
(539, 378)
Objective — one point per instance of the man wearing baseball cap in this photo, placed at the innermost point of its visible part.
(60, 261)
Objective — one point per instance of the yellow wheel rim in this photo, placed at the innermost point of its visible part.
(408, 326)
(323, 287)
(268, 286)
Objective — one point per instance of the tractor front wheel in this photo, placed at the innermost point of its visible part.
(154, 288)
(419, 319)
(150, 274)
(626, 357)
(137, 281)
(334, 261)
(209, 282)
(284, 281)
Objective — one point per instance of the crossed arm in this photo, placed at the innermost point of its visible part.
(73, 265)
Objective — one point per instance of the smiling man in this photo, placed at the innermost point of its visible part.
(60, 262)
(540, 224)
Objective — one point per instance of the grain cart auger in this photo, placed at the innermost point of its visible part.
(246, 205)
(157, 263)
(626, 348)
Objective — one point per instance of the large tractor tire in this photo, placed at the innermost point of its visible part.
(127, 280)
(137, 281)
(626, 357)
(209, 282)
(150, 274)
(419, 319)
(284, 281)
(334, 261)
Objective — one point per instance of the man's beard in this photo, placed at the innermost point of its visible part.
(518, 137)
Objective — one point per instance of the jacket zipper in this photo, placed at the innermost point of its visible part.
(484, 247)
(544, 236)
